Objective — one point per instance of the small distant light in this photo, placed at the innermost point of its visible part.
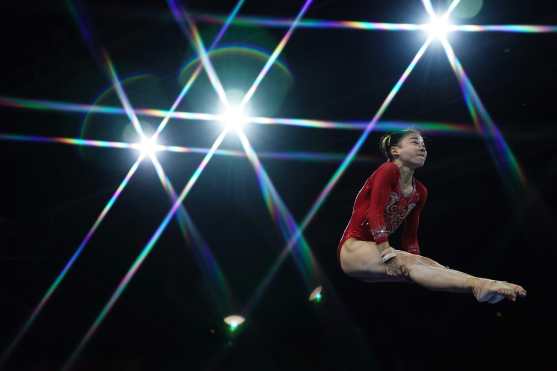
(316, 295)
(234, 321)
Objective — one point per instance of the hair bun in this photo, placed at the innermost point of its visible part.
(392, 139)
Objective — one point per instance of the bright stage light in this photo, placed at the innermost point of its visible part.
(438, 28)
(234, 118)
(148, 147)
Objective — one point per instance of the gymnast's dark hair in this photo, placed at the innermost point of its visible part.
(392, 139)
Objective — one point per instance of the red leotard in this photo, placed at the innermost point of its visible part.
(380, 208)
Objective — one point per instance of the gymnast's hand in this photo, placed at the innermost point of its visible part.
(395, 267)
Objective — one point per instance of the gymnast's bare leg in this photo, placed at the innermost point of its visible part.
(362, 260)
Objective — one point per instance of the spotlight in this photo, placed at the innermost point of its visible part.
(316, 295)
(234, 321)
(438, 27)
(234, 118)
(148, 147)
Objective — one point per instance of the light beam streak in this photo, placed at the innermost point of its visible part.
(251, 91)
(507, 164)
(68, 141)
(283, 218)
(102, 57)
(372, 26)
(452, 7)
(27, 325)
(311, 23)
(292, 156)
(44, 105)
(122, 95)
(429, 8)
(180, 14)
(512, 28)
(202, 252)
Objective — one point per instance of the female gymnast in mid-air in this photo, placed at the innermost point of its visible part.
(392, 196)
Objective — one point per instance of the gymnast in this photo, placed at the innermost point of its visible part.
(392, 196)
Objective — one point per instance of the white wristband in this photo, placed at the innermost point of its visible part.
(388, 256)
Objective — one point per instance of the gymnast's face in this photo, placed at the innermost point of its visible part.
(410, 150)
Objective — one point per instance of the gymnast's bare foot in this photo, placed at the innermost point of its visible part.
(494, 291)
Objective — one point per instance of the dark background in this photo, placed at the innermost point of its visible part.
(171, 316)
